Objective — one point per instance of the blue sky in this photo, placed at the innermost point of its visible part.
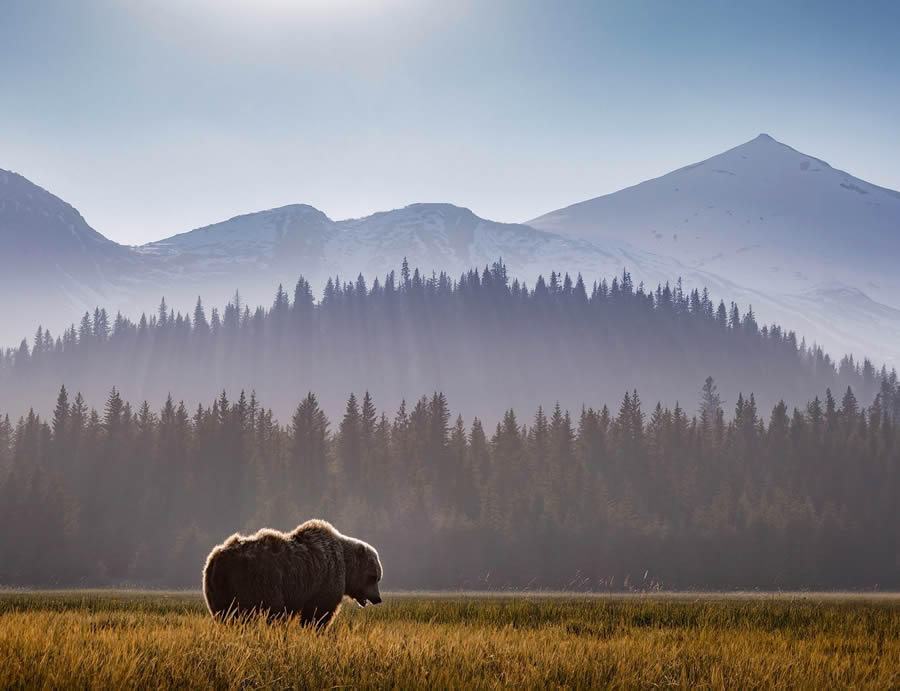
(158, 116)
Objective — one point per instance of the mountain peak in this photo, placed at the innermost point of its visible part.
(761, 142)
(292, 211)
(440, 208)
(419, 212)
(261, 231)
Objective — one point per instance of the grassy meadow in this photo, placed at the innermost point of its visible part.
(123, 639)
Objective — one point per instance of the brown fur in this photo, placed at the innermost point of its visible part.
(303, 573)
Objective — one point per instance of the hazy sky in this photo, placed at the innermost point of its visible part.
(156, 116)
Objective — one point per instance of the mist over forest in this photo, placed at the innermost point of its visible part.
(481, 433)
(485, 340)
(630, 497)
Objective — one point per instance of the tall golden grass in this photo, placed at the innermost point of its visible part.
(156, 640)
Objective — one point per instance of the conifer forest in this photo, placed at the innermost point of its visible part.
(611, 494)
(485, 340)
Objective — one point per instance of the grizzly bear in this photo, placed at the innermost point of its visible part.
(303, 573)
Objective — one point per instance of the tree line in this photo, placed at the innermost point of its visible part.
(629, 497)
(487, 341)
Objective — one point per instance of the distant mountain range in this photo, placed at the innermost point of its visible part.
(807, 245)
(279, 244)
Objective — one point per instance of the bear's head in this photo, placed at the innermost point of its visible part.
(363, 572)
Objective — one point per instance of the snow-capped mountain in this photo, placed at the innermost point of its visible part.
(299, 238)
(805, 244)
(810, 245)
(278, 245)
(251, 253)
(760, 208)
(59, 266)
(261, 239)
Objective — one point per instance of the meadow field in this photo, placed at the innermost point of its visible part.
(131, 639)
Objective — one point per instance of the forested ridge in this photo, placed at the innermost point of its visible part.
(488, 342)
(632, 497)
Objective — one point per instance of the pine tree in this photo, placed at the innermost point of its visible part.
(201, 326)
(162, 313)
(350, 440)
